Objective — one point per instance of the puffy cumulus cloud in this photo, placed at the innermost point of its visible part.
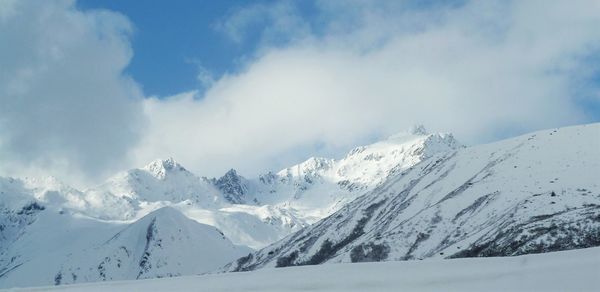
(66, 109)
(482, 69)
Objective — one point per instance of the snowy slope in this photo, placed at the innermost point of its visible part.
(274, 205)
(163, 243)
(166, 183)
(251, 225)
(530, 194)
(58, 248)
(318, 187)
(51, 233)
(250, 212)
(258, 212)
(132, 194)
(159, 181)
(576, 270)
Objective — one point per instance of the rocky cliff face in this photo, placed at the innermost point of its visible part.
(233, 187)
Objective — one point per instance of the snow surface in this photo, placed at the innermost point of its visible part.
(576, 270)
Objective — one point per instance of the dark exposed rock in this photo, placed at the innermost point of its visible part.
(31, 208)
(232, 186)
(544, 233)
(369, 252)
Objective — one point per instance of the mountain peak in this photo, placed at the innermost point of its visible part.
(233, 186)
(311, 166)
(160, 167)
(316, 163)
(232, 173)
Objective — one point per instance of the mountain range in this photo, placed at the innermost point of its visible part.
(162, 220)
(413, 195)
(530, 194)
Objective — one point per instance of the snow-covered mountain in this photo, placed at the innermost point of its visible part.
(42, 245)
(163, 180)
(318, 186)
(535, 193)
(135, 225)
(302, 194)
(257, 212)
(163, 243)
(234, 187)
(51, 233)
(414, 195)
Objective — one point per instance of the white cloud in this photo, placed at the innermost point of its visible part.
(354, 71)
(66, 108)
(483, 70)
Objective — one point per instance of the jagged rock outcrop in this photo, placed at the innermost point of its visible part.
(232, 186)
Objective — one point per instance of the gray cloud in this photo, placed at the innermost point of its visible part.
(66, 108)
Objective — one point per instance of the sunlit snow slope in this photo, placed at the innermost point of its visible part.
(535, 193)
(54, 247)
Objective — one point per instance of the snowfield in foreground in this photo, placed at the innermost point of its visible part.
(575, 270)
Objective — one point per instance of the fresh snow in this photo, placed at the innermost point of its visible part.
(576, 270)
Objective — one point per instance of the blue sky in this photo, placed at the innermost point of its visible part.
(173, 38)
(173, 41)
(92, 87)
